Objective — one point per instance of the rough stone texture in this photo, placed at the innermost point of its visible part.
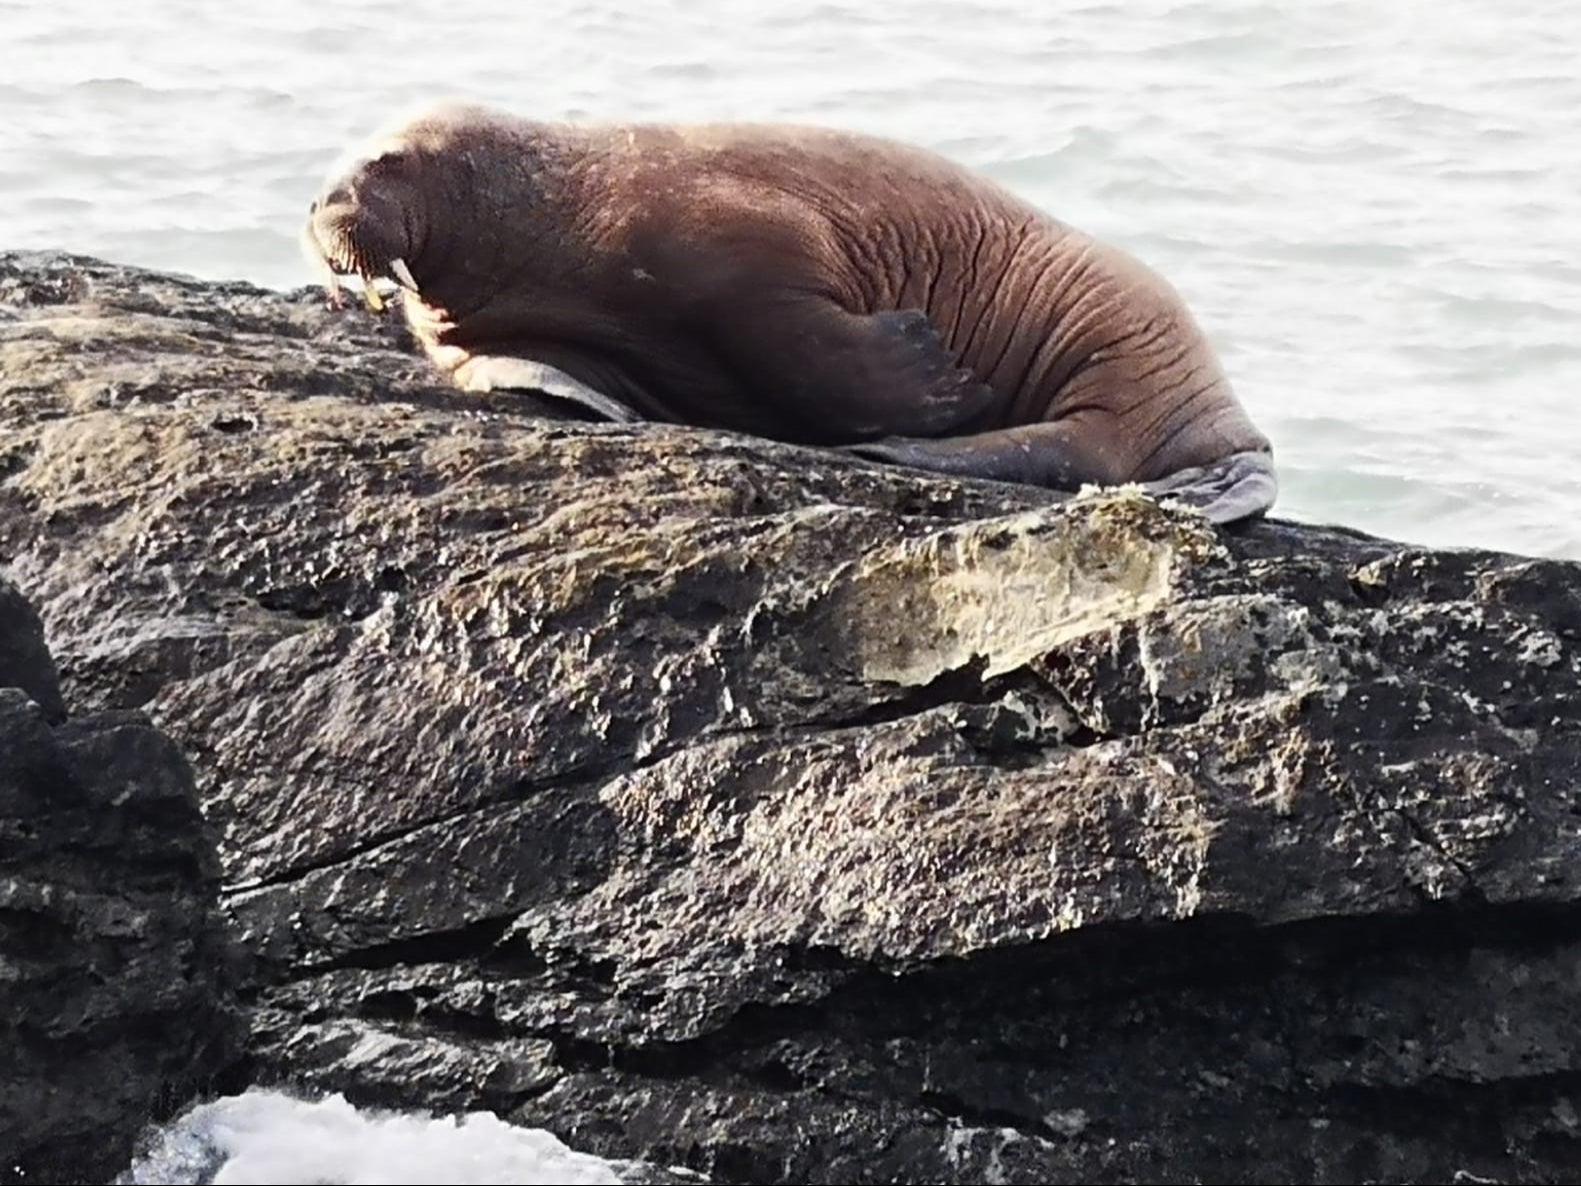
(25, 661)
(117, 1000)
(761, 810)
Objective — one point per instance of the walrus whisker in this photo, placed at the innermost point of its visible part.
(351, 260)
(320, 262)
(403, 275)
(355, 260)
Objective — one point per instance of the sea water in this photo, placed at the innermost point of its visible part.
(263, 1137)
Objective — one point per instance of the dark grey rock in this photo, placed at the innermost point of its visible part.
(730, 804)
(25, 660)
(117, 998)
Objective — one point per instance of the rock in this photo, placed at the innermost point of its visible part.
(115, 999)
(25, 661)
(752, 808)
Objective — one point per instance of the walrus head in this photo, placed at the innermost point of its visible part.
(361, 225)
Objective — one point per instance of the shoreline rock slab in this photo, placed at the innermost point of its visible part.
(748, 807)
(117, 987)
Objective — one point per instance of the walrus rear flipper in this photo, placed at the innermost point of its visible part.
(1242, 486)
(1051, 454)
(1055, 455)
(498, 372)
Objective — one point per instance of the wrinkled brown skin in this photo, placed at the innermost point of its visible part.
(798, 283)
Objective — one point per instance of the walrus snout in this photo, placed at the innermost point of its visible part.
(354, 232)
(338, 238)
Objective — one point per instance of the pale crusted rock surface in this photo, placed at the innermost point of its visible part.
(753, 808)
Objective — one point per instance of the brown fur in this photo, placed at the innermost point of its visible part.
(759, 279)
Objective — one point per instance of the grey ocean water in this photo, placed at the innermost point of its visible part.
(1375, 209)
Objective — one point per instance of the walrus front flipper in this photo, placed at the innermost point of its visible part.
(854, 375)
(1242, 486)
(500, 372)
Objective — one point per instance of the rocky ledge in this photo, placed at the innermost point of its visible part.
(117, 1000)
(765, 811)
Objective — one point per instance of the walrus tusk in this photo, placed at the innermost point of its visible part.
(403, 275)
(371, 295)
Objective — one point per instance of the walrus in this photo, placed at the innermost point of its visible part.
(806, 284)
